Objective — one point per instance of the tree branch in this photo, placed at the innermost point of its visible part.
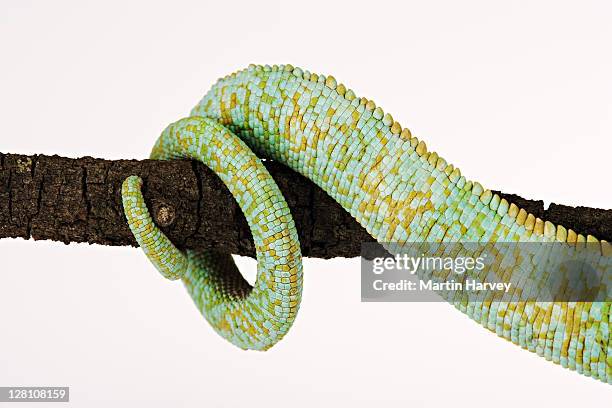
(79, 200)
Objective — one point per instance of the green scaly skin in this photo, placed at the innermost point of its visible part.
(378, 172)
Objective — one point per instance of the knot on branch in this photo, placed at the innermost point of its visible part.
(163, 214)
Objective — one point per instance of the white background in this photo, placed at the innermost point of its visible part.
(516, 94)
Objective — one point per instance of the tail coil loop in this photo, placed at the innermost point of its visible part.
(250, 317)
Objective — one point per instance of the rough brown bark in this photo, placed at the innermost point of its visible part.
(79, 200)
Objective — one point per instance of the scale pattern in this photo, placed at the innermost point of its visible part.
(388, 180)
(249, 317)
